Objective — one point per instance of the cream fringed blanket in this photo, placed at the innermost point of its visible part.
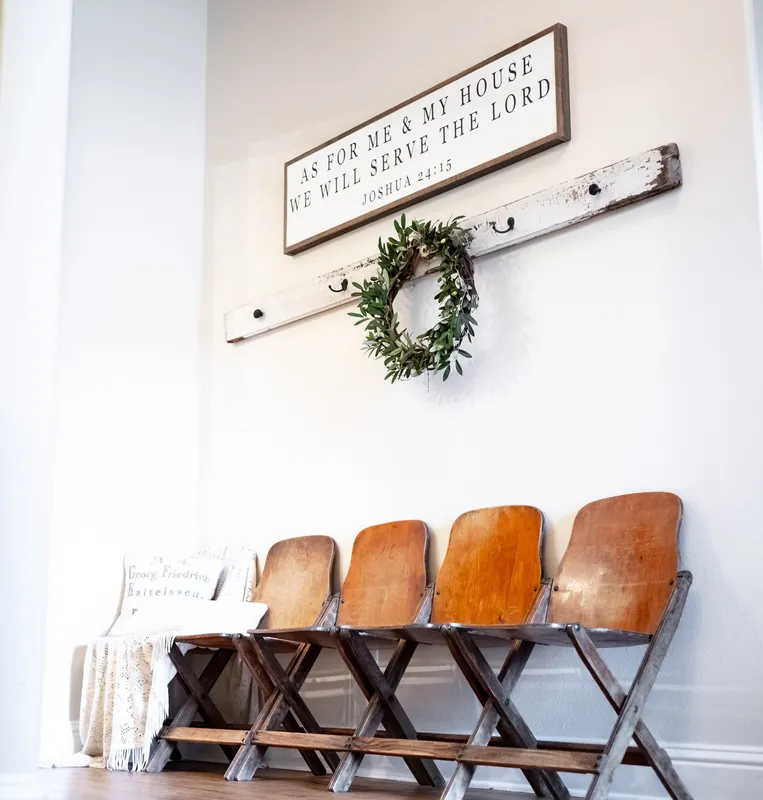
(125, 685)
(125, 698)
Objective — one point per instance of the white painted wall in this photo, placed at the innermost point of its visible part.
(619, 356)
(126, 461)
(34, 87)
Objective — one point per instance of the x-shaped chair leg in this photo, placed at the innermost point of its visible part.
(290, 693)
(375, 710)
(630, 707)
(498, 712)
(249, 656)
(198, 700)
(276, 710)
(379, 689)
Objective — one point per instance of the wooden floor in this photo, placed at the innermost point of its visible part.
(189, 783)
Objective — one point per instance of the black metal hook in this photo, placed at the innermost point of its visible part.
(594, 189)
(258, 313)
(345, 283)
(509, 223)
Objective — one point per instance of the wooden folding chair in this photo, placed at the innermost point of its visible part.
(491, 575)
(618, 586)
(296, 587)
(386, 586)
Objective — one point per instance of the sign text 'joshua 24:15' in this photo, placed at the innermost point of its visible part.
(507, 108)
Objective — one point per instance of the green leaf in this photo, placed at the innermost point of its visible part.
(446, 373)
(458, 369)
(465, 354)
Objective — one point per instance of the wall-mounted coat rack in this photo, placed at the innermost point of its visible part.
(607, 189)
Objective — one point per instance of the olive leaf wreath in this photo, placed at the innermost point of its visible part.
(438, 348)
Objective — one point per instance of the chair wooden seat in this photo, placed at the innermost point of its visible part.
(211, 641)
(552, 634)
(227, 641)
(320, 636)
(497, 635)
(381, 637)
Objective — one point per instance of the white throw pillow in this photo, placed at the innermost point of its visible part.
(151, 577)
(188, 616)
(239, 575)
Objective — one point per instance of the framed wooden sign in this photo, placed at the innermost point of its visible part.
(506, 108)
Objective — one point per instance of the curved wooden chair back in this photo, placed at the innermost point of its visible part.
(621, 563)
(296, 581)
(387, 577)
(491, 573)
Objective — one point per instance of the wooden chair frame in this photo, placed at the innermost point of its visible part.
(516, 747)
(230, 737)
(234, 740)
(601, 762)
(402, 739)
(281, 686)
(198, 701)
(258, 648)
(513, 732)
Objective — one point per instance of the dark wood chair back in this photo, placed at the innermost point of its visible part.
(387, 577)
(296, 581)
(491, 573)
(621, 563)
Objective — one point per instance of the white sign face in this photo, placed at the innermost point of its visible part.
(505, 109)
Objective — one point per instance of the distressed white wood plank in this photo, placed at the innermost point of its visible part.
(618, 185)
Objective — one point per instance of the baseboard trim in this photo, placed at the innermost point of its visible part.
(710, 756)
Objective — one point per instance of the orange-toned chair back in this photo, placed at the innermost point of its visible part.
(296, 581)
(387, 577)
(621, 563)
(492, 570)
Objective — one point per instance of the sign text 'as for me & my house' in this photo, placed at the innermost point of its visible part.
(507, 108)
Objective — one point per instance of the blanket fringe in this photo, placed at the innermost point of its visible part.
(135, 759)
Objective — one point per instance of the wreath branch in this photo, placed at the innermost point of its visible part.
(438, 348)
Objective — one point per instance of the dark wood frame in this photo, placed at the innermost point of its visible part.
(198, 700)
(288, 682)
(235, 741)
(283, 707)
(516, 746)
(562, 134)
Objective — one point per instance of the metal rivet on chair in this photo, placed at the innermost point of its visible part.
(556, 588)
(594, 189)
(258, 312)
